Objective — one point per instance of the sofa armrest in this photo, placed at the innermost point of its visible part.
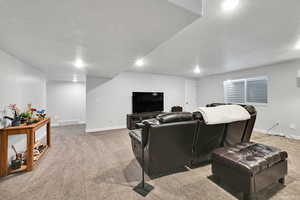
(151, 122)
(140, 125)
(136, 134)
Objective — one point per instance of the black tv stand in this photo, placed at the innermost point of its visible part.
(132, 119)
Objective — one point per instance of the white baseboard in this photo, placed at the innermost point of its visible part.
(268, 132)
(296, 137)
(92, 130)
(67, 123)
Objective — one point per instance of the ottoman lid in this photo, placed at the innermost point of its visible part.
(249, 157)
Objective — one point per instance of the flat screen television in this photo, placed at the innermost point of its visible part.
(147, 102)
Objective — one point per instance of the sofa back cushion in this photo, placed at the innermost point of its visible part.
(174, 117)
(240, 131)
(234, 133)
(170, 146)
(208, 138)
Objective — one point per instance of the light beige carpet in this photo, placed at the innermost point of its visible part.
(101, 166)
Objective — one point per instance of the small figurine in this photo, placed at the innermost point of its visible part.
(17, 163)
(41, 114)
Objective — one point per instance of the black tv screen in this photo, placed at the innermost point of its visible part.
(147, 102)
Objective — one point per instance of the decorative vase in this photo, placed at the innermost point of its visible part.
(16, 123)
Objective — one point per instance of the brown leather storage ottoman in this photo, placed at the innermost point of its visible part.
(249, 167)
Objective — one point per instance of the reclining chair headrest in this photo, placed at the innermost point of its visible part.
(197, 115)
(174, 117)
(249, 108)
(217, 104)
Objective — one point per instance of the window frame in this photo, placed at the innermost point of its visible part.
(245, 80)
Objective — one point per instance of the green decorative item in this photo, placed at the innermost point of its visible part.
(25, 116)
(30, 116)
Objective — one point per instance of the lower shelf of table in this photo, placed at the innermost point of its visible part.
(24, 167)
(41, 154)
(12, 171)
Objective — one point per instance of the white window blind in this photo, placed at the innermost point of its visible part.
(252, 90)
(234, 91)
(257, 90)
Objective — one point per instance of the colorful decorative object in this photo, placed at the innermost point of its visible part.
(18, 161)
(15, 110)
(30, 116)
(41, 114)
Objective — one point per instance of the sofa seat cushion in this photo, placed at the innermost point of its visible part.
(249, 157)
(174, 117)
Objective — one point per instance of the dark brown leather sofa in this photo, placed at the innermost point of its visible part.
(174, 140)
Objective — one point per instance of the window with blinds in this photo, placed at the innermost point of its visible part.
(234, 91)
(252, 90)
(257, 90)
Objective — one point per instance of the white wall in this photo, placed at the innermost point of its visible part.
(20, 84)
(110, 101)
(190, 95)
(66, 102)
(283, 96)
(94, 82)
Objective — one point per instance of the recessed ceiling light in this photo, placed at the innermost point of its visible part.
(197, 70)
(229, 5)
(79, 63)
(297, 46)
(140, 62)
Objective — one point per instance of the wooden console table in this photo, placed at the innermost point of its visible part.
(29, 130)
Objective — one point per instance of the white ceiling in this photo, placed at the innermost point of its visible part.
(256, 33)
(195, 6)
(108, 34)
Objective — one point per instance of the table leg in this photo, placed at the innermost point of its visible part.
(30, 147)
(49, 134)
(3, 153)
(34, 141)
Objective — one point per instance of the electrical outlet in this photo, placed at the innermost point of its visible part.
(293, 126)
